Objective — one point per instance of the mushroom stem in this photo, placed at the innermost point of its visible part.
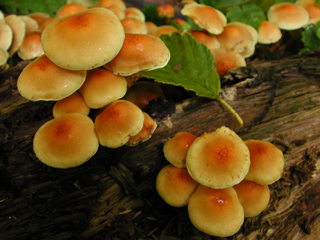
(224, 103)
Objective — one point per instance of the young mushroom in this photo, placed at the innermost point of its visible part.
(268, 33)
(18, 28)
(267, 162)
(102, 87)
(31, 46)
(175, 186)
(70, 104)
(253, 197)
(217, 212)
(87, 40)
(119, 121)
(175, 149)
(43, 80)
(69, 9)
(66, 142)
(218, 159)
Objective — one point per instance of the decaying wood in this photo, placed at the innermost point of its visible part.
(113, 194)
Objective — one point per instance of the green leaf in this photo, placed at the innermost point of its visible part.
(151, 14)
(28, 6)
(310, 37)
(221, 3)
(191, 66)
(250, 14)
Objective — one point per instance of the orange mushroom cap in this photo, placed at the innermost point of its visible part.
(267, 162)
(69, 9)
(268, 33)
(43, 80)
(253, 197)
(312, 9)
(175, 149)
(119, 121)
(217, 212)
(175, 186)
(87, 40)
(66, 142)
(31, 46)
(218, 159)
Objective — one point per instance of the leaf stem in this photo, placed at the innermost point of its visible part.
(224, 103)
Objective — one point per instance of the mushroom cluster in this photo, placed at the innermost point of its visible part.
(89, 57)
(219, 177)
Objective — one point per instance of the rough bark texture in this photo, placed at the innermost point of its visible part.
(112, 196)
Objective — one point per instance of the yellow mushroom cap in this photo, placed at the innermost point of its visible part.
(217, 212)
(140, 52)
(175, 149)
(39, 16)
(86, 40)
(288, 16)
(164, 29)
(69, 9)
(149, 126)
(6, 35)
(31, 46)
(210, 40)
(112, 3)
(218, 159)
(119, 121)
(133, 25)
(268, 33)
(102, 87)
(43, 80)
(18, 28)
(67, 141)
(267, 162)
(253, 197)
(132, 12)
(70, 104)
(4, 56)
(45, 23)
(206, 17)
(312, 9)
(31, 24)
(175, 186)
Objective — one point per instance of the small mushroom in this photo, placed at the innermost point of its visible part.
(217, 212)
(268, 33)
(69, 9)
(31, 25)
(312, 9)
(66, 142)
(31, 46)
(218, 159)
(43, 80)
(18, 28)
(164, 29)
(175, 149)
(133, 25)
(87, 40)
(133, 12)
(6, 35)
(39, 16)
(70, 104)
(140, 52)
(111, 3)
(175, 186)
(288, 16)
(119, 121)
(253, 197)
(267, 162)
(166, 11)
(210, 40)
(102, 87)
(149, 126)
(208, 18)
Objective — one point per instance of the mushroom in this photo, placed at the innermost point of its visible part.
(45, 23)
(132, 12)
(31, 25)
(268, 33)
(149, 126)
(218, 159)
(288, 16)
(217, 212)
(6, 35)
(142, 92)
(87, 40)
(210, 40)
(66, 142)
(102, 87)
(4, 56)
(267, 162)
(208, 18)
(119, 121)
(150, 26)
(175, 186)
(134, 25)
(253, 197)
(38, 16)
(312, 9)
(18, 28)
(70, 104)
(166, 11)
(227, 59)
(112, 3)
(31, 46)
(69, 9)
(175, 149)
(140, 52)
(164, 29)
(43, 80)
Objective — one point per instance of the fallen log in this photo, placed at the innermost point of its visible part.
(113, 195)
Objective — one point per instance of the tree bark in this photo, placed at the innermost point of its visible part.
(113, 194)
